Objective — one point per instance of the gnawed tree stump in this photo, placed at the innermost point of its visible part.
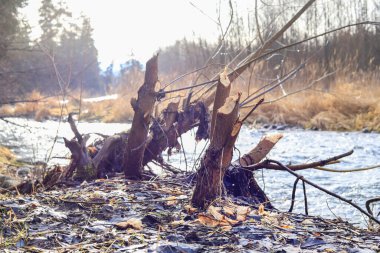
(240, 182)
(218, 155)
(222, 93)
(138, 135)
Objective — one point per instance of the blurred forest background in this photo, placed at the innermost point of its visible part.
(63, 61)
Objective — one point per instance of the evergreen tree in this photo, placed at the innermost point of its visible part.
(90, 66)
(51, 22)
(11, 38)
(9, 23)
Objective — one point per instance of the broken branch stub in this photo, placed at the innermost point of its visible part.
(172, 124)
(80, 161)
(218, 155)
(138, 134)
(162, 133)
(241, 182)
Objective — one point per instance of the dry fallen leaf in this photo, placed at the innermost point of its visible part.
(173, 191)
(287, 226)
(224, 220)
(229, 210)
(190, 210)
(207, 220)
(307, 222)
(131, 223)
(171, 201)
(211, 222)
(242, 212)
(177, 222)
(214, 211)
(261, 209)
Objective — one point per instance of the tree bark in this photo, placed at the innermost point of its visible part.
(218, 155)
(138, 134)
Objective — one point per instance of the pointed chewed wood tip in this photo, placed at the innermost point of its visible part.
(223, 77)
(274, 138)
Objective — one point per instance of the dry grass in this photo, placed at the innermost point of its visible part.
(347, 106)
(352, 103)
(7, 157)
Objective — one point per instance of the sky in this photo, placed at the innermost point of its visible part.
(125, 29)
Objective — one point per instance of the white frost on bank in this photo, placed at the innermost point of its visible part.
(102, 98)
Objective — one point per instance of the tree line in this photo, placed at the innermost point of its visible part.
(64, 57)
(350, 50)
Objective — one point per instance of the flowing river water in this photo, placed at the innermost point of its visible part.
(43, 141)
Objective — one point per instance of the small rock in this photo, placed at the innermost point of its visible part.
(366, 130)
(95, 229)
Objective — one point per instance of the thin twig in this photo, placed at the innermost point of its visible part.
(348, 171)
(369, 202)
(269, 161)
(297, 167)
(305, 198)
(293, 195)
(253, 109)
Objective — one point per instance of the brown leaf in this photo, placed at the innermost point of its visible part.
(229, 210)
(131, 223)
(287, 226)
(190, 210)
(171, 201)
(242, 212)
(177, 222)
(214, 211)
(207, 220)
(224, 220)
(172, 191)
(261, 209)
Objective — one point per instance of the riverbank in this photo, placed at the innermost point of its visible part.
(33, 141)
(113, 216)
(343, 108)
